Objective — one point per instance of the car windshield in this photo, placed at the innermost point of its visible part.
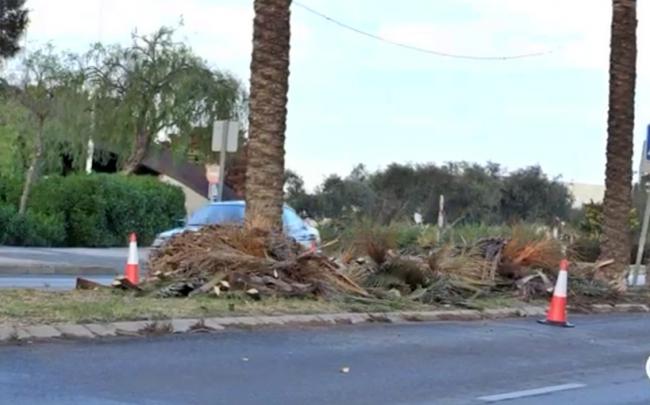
(217, 214)
(292, 221)
(234, 214)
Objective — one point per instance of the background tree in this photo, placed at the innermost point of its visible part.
(294, 185)
(13, 21)
(268, 113)
(528, 195)
(14, 154)
(473, 193)
(296, 195)
(157, 89)
(620, 126)
(43, 87)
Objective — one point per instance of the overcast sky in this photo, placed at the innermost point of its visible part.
(353, 99)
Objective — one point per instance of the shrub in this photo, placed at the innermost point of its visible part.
(10, 189)
(100, 210)
(592, 222)
(31, 229)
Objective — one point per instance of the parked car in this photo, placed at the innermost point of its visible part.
(232, 212)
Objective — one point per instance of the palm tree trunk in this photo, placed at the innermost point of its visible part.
(30, 175)
(268, 113)
(615, 242)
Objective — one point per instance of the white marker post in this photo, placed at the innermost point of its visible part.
(224, 139)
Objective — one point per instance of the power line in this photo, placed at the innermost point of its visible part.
(416, 48)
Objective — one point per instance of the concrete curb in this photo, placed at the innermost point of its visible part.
(28, 334)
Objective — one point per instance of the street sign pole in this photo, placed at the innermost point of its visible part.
(646, 214)
(222, 160)
(224, 140)
(642, 239)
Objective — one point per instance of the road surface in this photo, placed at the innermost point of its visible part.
(65, 261)
(601, 361)
(48, 282)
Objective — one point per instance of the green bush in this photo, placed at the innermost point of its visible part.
(10, 189)
(32, 229)
(95, 210)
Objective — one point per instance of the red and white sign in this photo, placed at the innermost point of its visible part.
(212, 173)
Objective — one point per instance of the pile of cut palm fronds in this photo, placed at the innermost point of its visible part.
(216, 259)
(524, 266)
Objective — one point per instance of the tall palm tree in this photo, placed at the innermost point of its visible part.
(615, 243)
(268, 113)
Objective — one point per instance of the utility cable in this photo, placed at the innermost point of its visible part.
(417, 48)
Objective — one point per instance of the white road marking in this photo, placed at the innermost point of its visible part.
(530, 393)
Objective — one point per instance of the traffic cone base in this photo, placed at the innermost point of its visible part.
(554, 323)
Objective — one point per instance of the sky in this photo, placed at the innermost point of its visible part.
(354, 99)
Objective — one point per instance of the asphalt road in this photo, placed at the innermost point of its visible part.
(48, 282)
(18, 261)
(601, 361)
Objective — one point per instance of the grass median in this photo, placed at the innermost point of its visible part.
(31, 307)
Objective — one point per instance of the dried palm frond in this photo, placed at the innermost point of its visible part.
(248, 258)
(526, 250)
(467, 263)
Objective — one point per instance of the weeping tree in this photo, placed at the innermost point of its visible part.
(615, 242)
(157, 89)
(268, 113)
(13, 21)
(44, 103)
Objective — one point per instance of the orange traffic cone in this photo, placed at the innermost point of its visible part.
(556, 315)
(132, 270)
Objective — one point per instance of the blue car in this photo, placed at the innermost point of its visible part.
(232, 212)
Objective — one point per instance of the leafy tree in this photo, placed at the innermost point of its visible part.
(43, 91)
(268, 113)
(473, 193)
(14, 154)
(296, 196)
(620, 127)
(529, 195)
(294, 185)
(158, 89)
(347, 196)
(13, 21)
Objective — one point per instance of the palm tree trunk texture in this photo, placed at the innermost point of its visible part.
(615, 242)
(268, 112)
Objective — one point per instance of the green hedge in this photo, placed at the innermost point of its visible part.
(31, 229)
(95, 210)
